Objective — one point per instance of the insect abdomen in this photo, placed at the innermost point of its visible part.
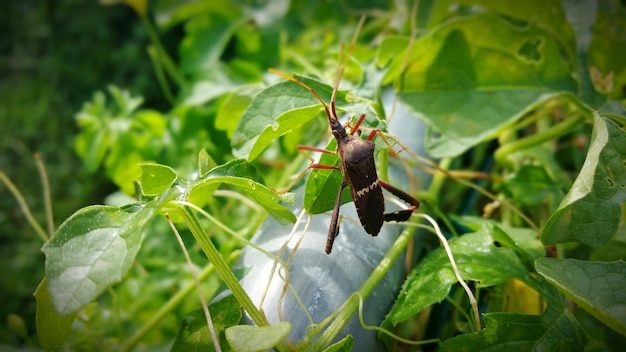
(360, 173)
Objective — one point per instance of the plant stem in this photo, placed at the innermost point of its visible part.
(23, 206)
(170, 305)
(167, 62)
(383, 161)
(568, 125)
(45, 185)
(158, 71)
(224, 271)
(222, 268)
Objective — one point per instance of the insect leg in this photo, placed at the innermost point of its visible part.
(357, 124)
(313, 165)
(333, 229)
(400, 215)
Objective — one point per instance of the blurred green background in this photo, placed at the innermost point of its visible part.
(53, 56)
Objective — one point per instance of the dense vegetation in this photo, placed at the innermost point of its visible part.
(168, 108)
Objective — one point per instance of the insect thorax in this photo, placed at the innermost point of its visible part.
(355, 150)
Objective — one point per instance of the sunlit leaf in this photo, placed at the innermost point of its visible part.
(590, 213)
(92, 250)
(467, 118)
(242, 175)
(156, 179)
(118, 136)
(275, 111)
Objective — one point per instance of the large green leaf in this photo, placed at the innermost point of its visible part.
(475, 255)
(590, 212)
(521, 13)
(599, 288)
(525, 240)
(92, 250)
(475, 75)
(460, 120)
(274, 112)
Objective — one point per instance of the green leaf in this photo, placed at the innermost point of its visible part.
(608, 36)
(207, 36)
(532, 186)
(234, 107)
(466, 118)
(475, 255)
(194, 333)
(590, 212)
(92, 250)
(344, 345)
(205, 163)
(118, 136)
(322, 185)
(475, 76)
(599, 288)
(525, 240)
(242, 175)
(516, 332)
(238, 168)
(518, 13)
(155, 178)
(213, 84)
(170, 13)
(248, 338)
(52, 327)
(275, 111)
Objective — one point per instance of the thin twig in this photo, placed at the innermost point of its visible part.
(444, 242)
(45, 185)
(23, 206)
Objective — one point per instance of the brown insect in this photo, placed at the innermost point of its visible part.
(356, 163)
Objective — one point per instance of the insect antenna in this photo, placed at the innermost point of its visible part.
(304, 85)
(343, 62)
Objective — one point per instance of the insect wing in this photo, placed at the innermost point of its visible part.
(360, 171)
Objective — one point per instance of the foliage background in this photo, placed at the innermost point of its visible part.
(55, 54)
